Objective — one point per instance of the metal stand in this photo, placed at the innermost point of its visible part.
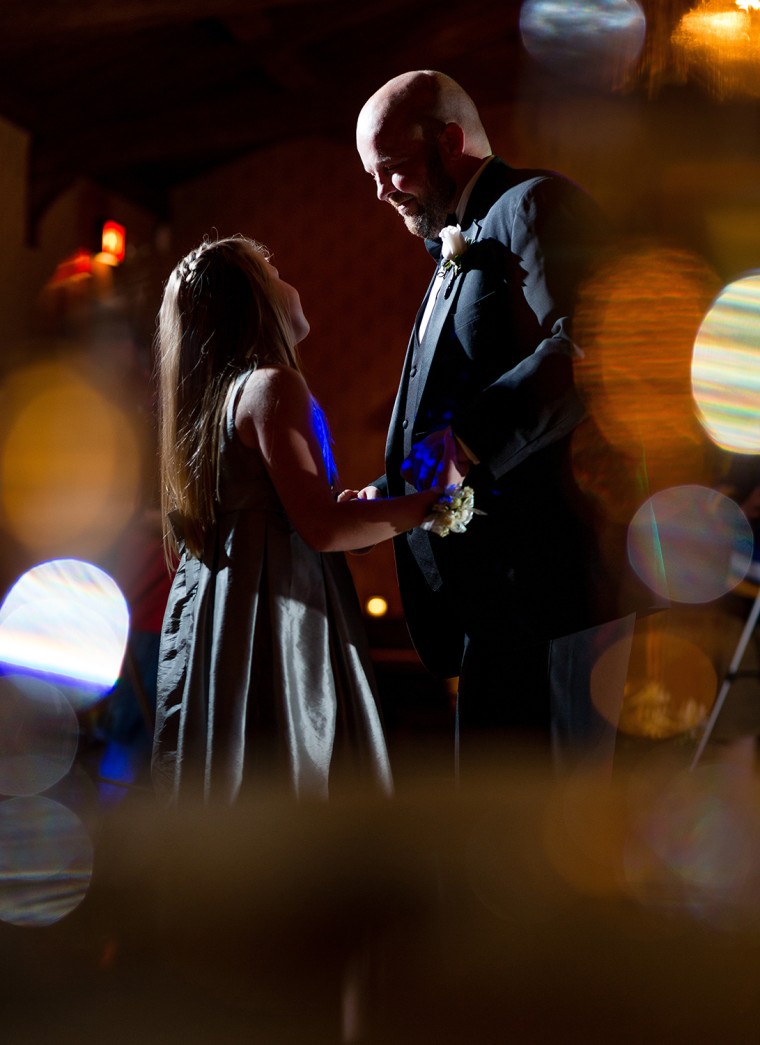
(730, 677)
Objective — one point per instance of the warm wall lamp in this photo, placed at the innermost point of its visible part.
(112, 243)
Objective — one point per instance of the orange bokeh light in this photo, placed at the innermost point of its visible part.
(719, 43)
(69, 463)
(635, 324)
(113, 241)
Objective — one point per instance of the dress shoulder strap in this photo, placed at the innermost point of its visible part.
(232, 401)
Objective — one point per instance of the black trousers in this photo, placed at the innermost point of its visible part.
(557, 701)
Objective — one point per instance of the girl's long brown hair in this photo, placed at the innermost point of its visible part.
(219, 317)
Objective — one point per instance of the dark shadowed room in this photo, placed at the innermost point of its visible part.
(379, 502)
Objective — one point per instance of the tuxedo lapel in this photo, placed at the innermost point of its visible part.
(441, 308)
(395, 430)
(453, 284)
(426, 350)
(420, 353)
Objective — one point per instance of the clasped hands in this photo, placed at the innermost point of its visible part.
(437, 460)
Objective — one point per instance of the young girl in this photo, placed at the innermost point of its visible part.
(264, 676)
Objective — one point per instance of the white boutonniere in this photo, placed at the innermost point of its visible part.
(453, 247)
(452, 512)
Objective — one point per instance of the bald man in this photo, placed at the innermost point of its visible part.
(519, 606)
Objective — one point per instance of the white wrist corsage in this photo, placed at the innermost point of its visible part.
(452, 512)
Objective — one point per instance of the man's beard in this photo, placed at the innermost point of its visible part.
(435, 206)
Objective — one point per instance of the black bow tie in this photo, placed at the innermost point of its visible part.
(433, 246)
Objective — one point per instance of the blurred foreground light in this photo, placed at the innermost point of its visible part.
(69, 463)
(673, 842)
(66, 620)
(693, 845)
(584, 834)
(593, 42)
(506, 872)
(46, 861)
(726, 368)
(39, 735)
(690, 544)
(636, 322)
(670, 688)
(719, 43)
(376, 606)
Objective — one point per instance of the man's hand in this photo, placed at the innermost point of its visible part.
(437, 460)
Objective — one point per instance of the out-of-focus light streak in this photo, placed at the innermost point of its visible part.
(673, 842)
(690, 544)
(636, 322)
(720, 43)
(725, 369)
(46, 861)
(693, 844)
(39, 735)
(670, 689)
(593, 42)
(66, 620)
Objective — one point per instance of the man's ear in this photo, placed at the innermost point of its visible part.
(451, 141)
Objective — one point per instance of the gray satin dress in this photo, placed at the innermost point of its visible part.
(264, 680)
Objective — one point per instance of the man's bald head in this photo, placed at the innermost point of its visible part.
(421, 139)
(422, 103)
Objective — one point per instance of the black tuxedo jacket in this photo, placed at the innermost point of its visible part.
(496, 363)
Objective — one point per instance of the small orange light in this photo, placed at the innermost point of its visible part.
(113, 240)
(376, 606)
